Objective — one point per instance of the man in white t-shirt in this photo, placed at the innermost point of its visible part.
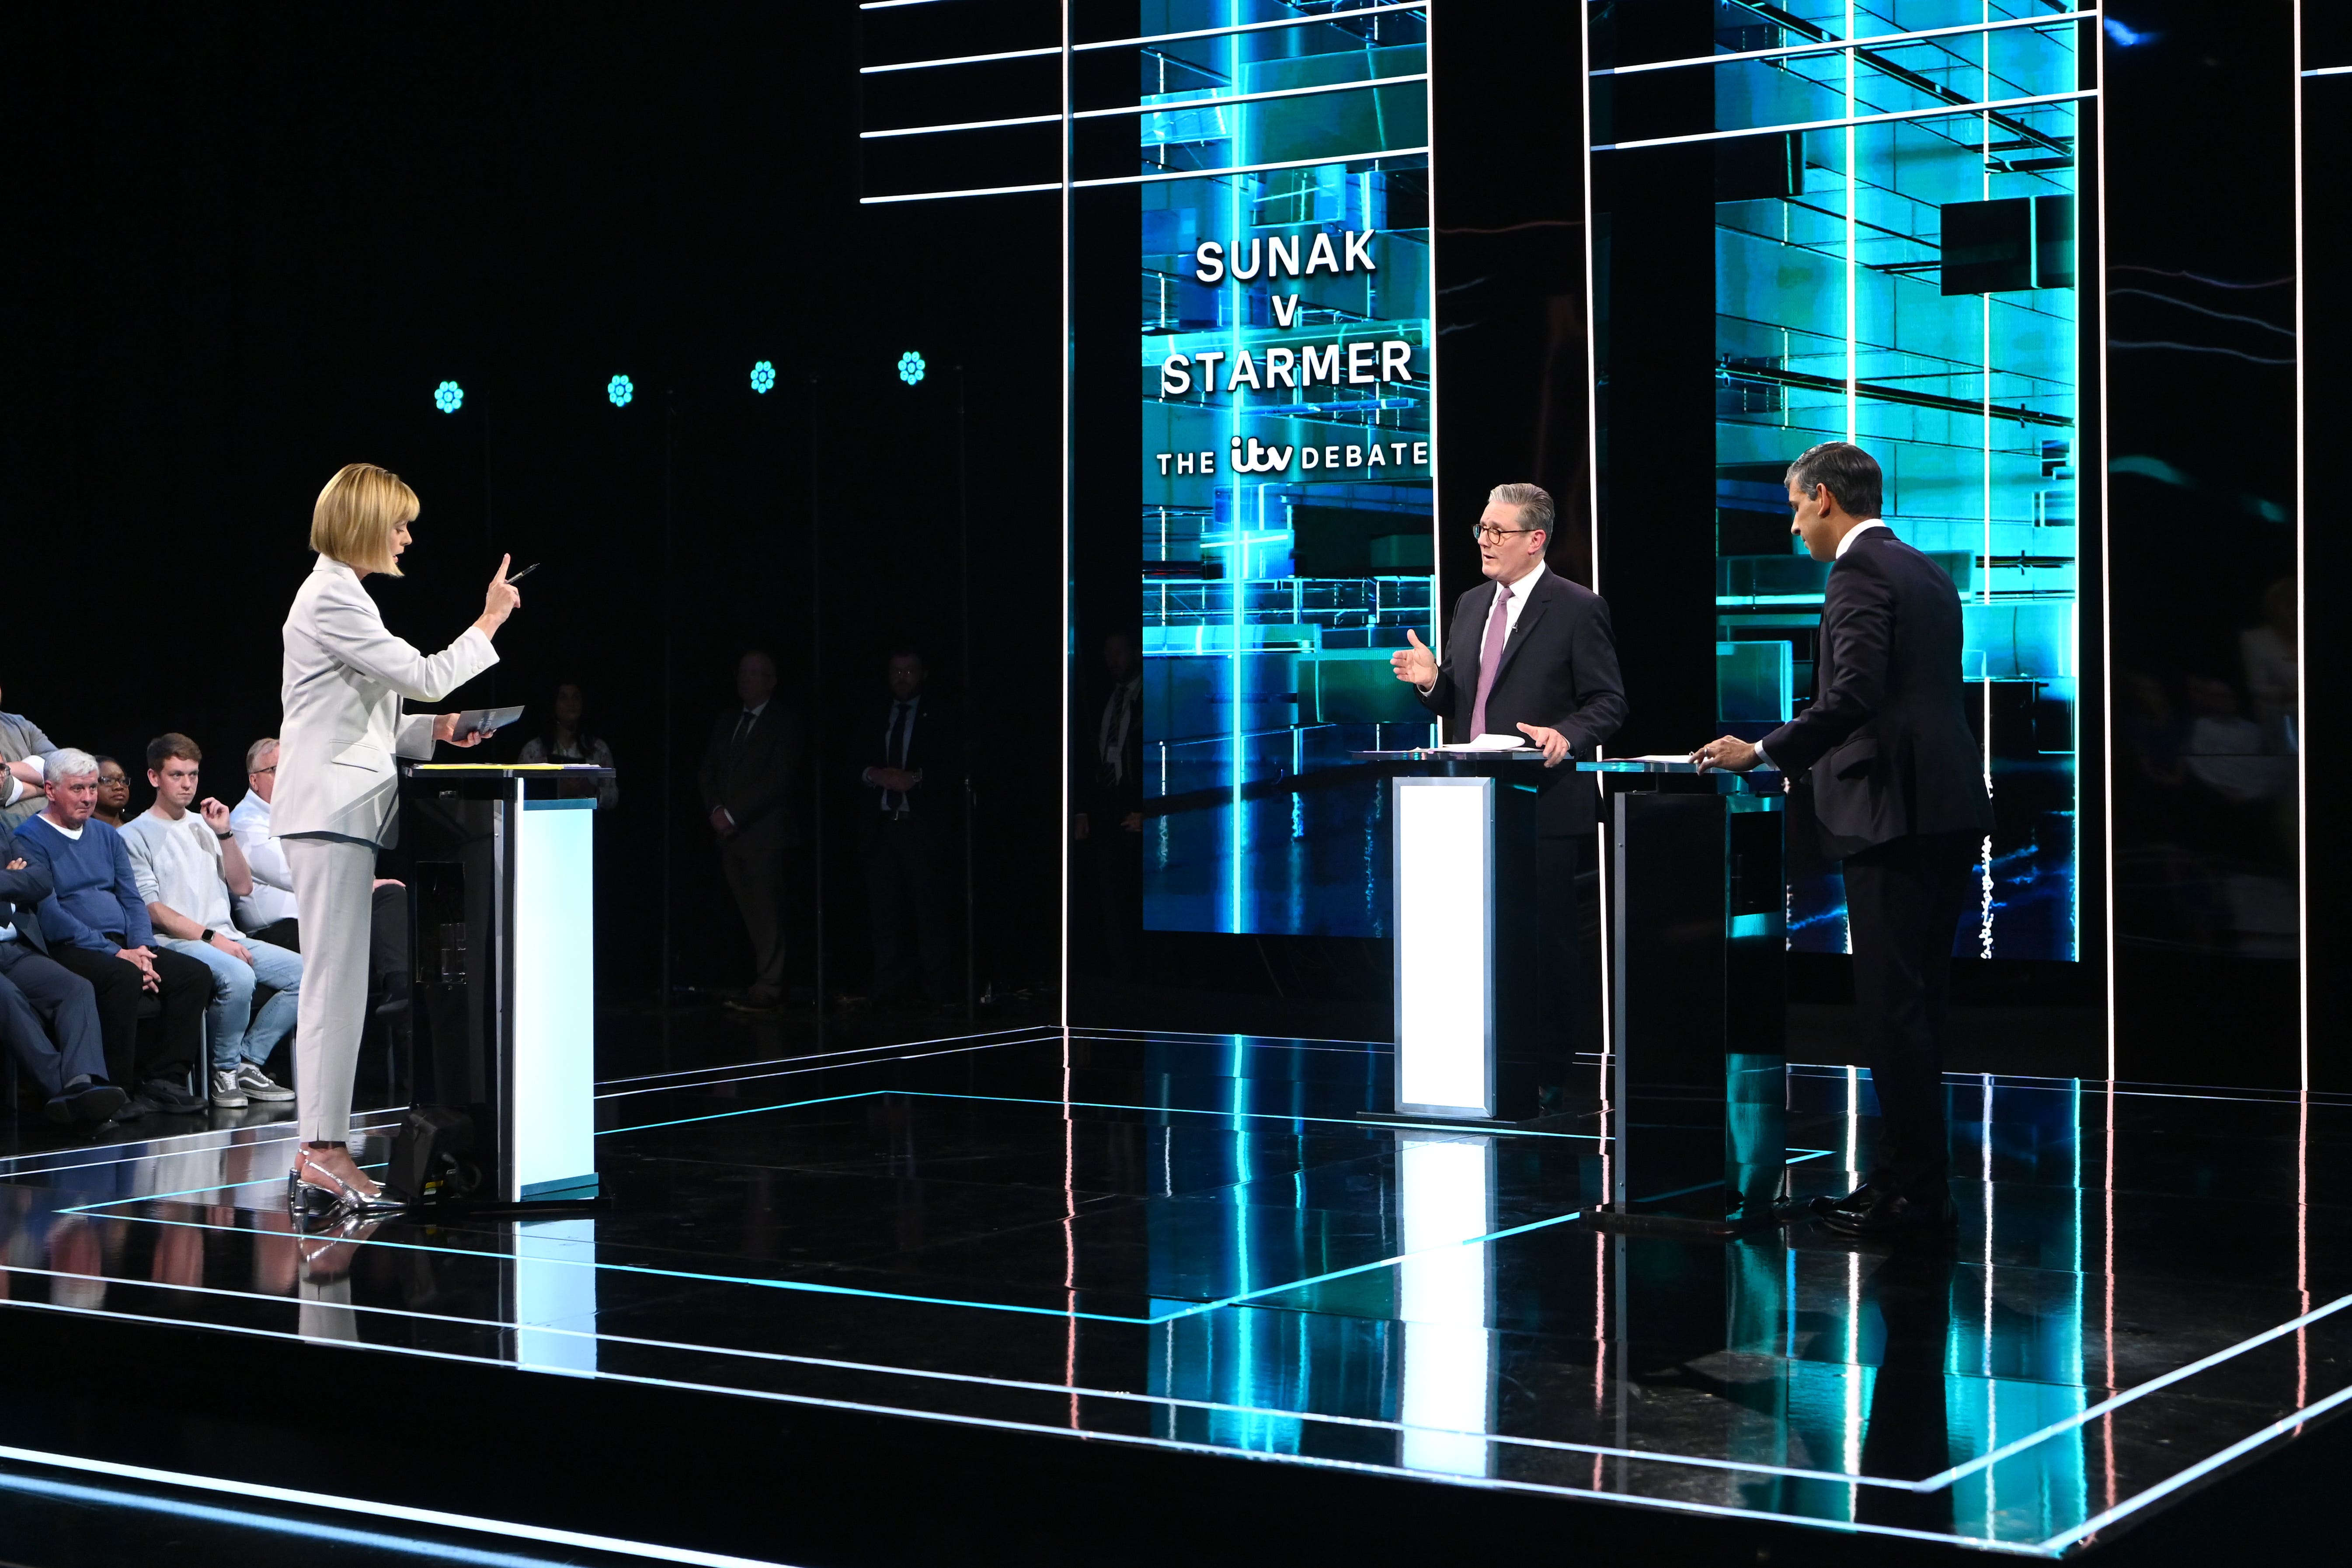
(189, 872)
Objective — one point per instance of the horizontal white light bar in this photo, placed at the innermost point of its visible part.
(1855, 120)
(2328, 70)
(1832, 46)
(250, 1492)
(962, 125)
(1177, 107)
(1422, 5)
(1248, 168)
(949, 196)
(961, 60)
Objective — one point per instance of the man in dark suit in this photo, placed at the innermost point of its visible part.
(1109, 793)
(1531, 653)
(748, 772)
(1898, 791)
(914, 799)
(68, 1059)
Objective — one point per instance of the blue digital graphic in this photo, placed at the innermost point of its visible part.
(910, 367)
(763, 376)
(448, 397)
(1284, 462)
(1909, 284)
(620, 390)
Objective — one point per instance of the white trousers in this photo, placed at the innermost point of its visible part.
(334, 888)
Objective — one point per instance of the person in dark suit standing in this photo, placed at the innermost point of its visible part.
(747, 776)
(1531, 653)
(1109, 820)
(1898, 793)
(914, 798)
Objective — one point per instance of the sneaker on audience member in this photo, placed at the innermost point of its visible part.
(227, 1093)
(256, 1084)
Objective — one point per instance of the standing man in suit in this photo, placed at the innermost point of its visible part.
(909, 837)
(1898, 790)
(1531, 653)
(747, 777)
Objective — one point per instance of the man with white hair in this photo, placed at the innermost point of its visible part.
(96, 925)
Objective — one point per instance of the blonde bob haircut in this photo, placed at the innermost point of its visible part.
(358, 512)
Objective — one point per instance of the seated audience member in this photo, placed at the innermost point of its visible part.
(569, 740)
(21, 741)
(113, 792)
(269, 913)
(190, 873)
(96, 924)
(34, 990)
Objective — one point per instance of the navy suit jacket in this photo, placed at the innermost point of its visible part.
(1885, 744)
(1559, 670)
(21, 893)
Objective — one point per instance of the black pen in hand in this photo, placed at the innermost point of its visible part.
(519, 577)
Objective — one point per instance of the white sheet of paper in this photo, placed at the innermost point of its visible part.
(1487, 743)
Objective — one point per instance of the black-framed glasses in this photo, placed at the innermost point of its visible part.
(1488, 533)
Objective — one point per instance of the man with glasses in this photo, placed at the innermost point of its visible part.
(1531, 655)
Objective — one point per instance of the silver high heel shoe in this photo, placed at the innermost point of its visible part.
(314, 1192)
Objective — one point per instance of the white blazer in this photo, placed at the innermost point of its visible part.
(345, 676)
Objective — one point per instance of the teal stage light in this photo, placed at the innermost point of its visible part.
(448, 397)
(910, 367)
(620, 389)
(763, 376)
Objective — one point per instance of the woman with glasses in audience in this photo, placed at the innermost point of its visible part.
(113, 793)
(338, 788)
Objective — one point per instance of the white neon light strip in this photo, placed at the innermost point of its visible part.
(1069, 526)
(1832, 45)
(1249, 26)
(1176, 107)
(1936, 112)
(961, 60)
(961, 125)
(1067, 46)
(2319, 70)
(982, 1040)
(2302, 608)
(250, 1491)
(2106, 569)
(1252, 168)
(1181, 104)
(950, 196)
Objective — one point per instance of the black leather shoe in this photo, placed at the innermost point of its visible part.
(166, 1096)
(1895, 1215)
(89, 1102)
(1853, 1202)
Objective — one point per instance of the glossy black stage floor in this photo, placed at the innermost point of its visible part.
(1130, 1298)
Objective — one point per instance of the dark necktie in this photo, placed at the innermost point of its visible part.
(742, 733)
(894, 751)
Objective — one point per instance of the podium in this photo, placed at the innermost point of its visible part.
(500, 866)
(1698, 990)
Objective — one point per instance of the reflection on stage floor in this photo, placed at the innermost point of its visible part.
(1191, 1241)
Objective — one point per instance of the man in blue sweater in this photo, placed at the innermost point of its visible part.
(96, 925)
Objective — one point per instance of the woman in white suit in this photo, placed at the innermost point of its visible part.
(337, 790)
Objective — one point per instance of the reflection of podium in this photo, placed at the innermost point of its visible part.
(502, 885)
(1699, 931)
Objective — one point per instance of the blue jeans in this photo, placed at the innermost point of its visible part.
(238, 1032)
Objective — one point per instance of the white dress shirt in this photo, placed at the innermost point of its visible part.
(1842, 546)
(272, 899)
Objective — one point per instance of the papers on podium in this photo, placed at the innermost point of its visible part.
(1482, 744)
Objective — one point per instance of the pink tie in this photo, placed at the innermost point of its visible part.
(1490, 654)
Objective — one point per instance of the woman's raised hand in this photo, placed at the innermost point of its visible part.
(502, 600)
